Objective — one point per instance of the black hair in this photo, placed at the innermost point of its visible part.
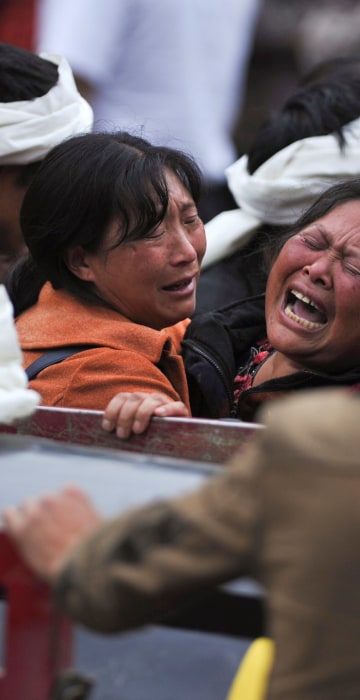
(327, 99)
(79, 189)
(333, 197)
(23, 283)
(24, 75)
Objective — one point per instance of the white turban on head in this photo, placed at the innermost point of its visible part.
(31, 128)
(282, 188)
(16, 400)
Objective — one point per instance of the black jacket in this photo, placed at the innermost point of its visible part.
(217, 343)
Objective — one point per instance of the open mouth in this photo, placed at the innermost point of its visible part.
(179, 285)
(303, 311)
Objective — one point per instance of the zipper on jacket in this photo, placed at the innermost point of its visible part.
(193, 345)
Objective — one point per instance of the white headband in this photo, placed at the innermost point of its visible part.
(16, 401)
(282, 188)
(31, 128)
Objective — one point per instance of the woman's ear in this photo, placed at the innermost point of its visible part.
(77, 261)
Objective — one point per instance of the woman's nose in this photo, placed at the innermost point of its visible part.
(184, 248)
(320, 271)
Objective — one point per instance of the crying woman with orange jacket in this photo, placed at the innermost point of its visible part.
(115, 246)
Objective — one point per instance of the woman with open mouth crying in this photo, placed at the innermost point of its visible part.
(303, 333)
(115, 245)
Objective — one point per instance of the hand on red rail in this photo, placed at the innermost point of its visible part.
(132, 412)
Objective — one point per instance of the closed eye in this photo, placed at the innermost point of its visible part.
(313, 243)
(355, 271)
(192, 220)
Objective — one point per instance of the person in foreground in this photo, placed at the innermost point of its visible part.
(285, 512)
(115, 245)
(40, 106)
(303, 333)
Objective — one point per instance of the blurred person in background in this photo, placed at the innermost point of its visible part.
(40, 106)
(18, 22)
(327, 29)
(310, 142)
(175, 70)
(292, 37)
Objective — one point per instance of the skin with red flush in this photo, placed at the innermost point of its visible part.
(312, 313)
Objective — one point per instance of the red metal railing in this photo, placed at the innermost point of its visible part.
(37, 641)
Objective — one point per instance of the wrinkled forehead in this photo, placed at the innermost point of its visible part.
(339, 228)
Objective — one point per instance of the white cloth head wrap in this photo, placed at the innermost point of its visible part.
(31, 128)
(282, 188)
(16, 401)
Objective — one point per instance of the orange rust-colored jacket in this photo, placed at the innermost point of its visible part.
(126, 356)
